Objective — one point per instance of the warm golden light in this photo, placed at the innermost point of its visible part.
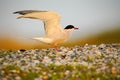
(105, 37)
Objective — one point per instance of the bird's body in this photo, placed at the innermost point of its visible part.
(52, 23)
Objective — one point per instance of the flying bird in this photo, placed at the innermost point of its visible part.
(55, 34)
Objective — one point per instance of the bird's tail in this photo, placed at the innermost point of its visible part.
(44, 40)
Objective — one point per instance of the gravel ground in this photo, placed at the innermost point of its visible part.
(89, 62)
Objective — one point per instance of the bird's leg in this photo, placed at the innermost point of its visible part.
(56, 48)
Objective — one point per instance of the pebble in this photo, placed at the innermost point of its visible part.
(100, 57)
(18, 78)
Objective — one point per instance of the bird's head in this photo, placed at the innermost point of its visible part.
(71, 27)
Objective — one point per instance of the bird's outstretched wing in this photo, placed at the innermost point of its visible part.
(51, 21)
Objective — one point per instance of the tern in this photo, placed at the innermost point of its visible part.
(55, 34)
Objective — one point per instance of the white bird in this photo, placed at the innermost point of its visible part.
(52, 23)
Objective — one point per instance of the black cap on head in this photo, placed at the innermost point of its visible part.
(69, 27)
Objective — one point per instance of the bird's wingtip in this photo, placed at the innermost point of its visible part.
(14, 12)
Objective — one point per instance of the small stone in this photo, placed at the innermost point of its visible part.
(13, 71)
(24, 74)
(21, 50)
(57, 63)
(45, 77)
(18, 78)
(4, 79)
(91, 57)
(44, 73)
(113, 70)
(46, 60)
(84, 63)
(2, 72)
(67, 72)
(35, 62)
(102, 46)
(98, 53)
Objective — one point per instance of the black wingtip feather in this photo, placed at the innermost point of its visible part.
(23, 12)
(15, 12)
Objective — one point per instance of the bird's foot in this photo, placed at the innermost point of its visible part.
(57, 49)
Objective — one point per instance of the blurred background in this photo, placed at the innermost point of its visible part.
(98, 22)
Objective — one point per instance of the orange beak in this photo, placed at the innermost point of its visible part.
(75, 28)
